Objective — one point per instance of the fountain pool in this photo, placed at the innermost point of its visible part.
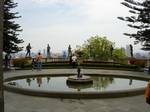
(57, 86)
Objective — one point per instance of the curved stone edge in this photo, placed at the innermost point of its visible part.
(77, 95)
(57, 75)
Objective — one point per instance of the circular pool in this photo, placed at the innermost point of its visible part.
(57, 86)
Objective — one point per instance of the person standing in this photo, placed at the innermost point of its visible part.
(39, 61)
(147, 93)
(74, 60)
(7, 60)
(70, 54)
(131, 50)
(28, 49)
(48, 51)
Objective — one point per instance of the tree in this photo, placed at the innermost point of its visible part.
(98, 48)
(118, 53)
(1, 58)
(140, 21)
(11, 29)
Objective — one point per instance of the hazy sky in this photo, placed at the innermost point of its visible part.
(63, 22)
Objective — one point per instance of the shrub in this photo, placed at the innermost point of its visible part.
(137, 62)
(21, 62)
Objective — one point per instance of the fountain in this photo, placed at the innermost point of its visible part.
(79, 78)
(80, 86)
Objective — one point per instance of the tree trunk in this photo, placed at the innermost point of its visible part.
(1, 59)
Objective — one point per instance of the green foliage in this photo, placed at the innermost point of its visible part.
(118, 54)
(109, 65)
(97, 48)
(139, 20)
(102, 82)
(11, 40)
(21, 62)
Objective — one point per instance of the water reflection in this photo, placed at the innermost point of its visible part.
(59, 84)
(100, 83)
(48, 79)
(80, 86)
(39, 81)
(130, 81)
(28, 80)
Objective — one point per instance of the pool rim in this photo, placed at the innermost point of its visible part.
(76, 95)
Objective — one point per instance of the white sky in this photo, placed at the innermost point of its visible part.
(63, 22)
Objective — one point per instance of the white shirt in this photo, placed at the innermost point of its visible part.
(74, 58)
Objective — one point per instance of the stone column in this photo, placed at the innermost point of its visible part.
(1, 61)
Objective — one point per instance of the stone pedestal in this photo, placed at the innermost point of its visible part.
(76, 79)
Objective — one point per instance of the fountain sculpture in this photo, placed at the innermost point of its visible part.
(79, 78)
